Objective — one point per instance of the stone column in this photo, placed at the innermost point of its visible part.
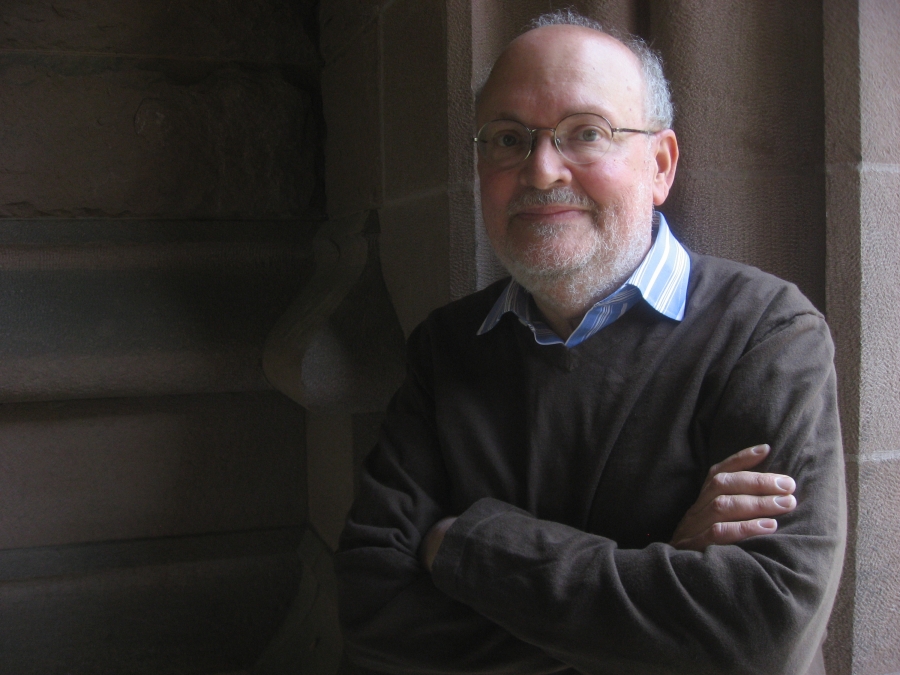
(747, 87)
(862, 141)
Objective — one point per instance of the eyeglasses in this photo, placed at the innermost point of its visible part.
(581, 138)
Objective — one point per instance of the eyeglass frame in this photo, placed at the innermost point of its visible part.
(556, 142)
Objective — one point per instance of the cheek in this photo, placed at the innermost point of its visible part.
(602, 182)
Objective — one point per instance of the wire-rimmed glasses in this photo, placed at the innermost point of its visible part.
(581, 138)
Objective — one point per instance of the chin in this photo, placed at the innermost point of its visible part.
(572, 277)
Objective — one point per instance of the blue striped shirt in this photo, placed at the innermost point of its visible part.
(661, 279)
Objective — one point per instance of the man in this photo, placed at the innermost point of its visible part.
(559, 485)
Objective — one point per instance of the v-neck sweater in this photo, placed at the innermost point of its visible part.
(569, 469)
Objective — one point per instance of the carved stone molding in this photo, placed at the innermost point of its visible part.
(339, 346)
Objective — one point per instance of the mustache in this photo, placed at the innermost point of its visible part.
(555, 196)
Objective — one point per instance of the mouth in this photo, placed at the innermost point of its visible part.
(549, 212)
(555, 206)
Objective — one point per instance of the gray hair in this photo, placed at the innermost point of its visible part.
(658, 107)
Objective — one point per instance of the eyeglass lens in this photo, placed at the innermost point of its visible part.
(581, 139)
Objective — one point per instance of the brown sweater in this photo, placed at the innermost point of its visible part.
(569, 470)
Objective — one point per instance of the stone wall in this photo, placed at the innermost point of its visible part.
(161, 179)
(862, 95)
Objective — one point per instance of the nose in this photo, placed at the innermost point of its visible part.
(545, 167)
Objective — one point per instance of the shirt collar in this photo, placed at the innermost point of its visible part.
(661, 279)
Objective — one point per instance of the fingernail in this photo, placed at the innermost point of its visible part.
(768, 524)
(760, 449)
(785, 502)
(785, 483)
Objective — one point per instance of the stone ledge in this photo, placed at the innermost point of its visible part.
(119, 308)
(120, 469)
(212, 613)
(251, 30)
(157, 138)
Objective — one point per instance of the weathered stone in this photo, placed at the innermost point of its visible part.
(339, 346)
(309, 641)
(351, 102)
(343, 21)
(863, 200)
(748, 92)
(366, 429)
(153, 139)
(131, 468)
(745, 97)
(269, 31)
(879, 305)
(879, 54)
(188, 605)
(414, 256)
(756, 218)
(329, 462)
(877, 567)
(415, 101)
(106, 308)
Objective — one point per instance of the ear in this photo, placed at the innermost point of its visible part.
(666, 161)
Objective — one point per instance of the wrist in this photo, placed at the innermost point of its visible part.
(430, 545)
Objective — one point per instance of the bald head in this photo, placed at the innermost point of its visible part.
(546, 61)
(571, 32)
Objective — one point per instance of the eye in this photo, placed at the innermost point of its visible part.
(587, 134)
(507, 139)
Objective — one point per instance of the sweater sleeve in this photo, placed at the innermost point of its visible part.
(393, 617)
(757, 607)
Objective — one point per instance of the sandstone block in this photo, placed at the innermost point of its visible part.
(415, 97)
(879, 307)
(343, 21)
(746, 81)
(110, 308)
(353, 156)
(114, 469)
(773, 221)
(144, 138)
(877, 572)
(198, 605)
(329, 439)
(879, 29)
(269, 31)
(414, 256)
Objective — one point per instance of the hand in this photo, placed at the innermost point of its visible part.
(735, 503)
(432, 542)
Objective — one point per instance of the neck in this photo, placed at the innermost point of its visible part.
(565, 301)
(564, 306)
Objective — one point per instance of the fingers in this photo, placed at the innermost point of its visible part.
(727, 533)
(718, 488)
(748, 483)
(734, 508)
(736, 502)
(728, 511)
(742, 460)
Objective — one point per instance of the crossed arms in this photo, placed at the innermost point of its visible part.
(510, 592)
(734, 504)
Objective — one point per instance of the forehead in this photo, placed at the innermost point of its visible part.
(554, 71)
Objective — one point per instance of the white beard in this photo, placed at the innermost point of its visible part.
(571, 282)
